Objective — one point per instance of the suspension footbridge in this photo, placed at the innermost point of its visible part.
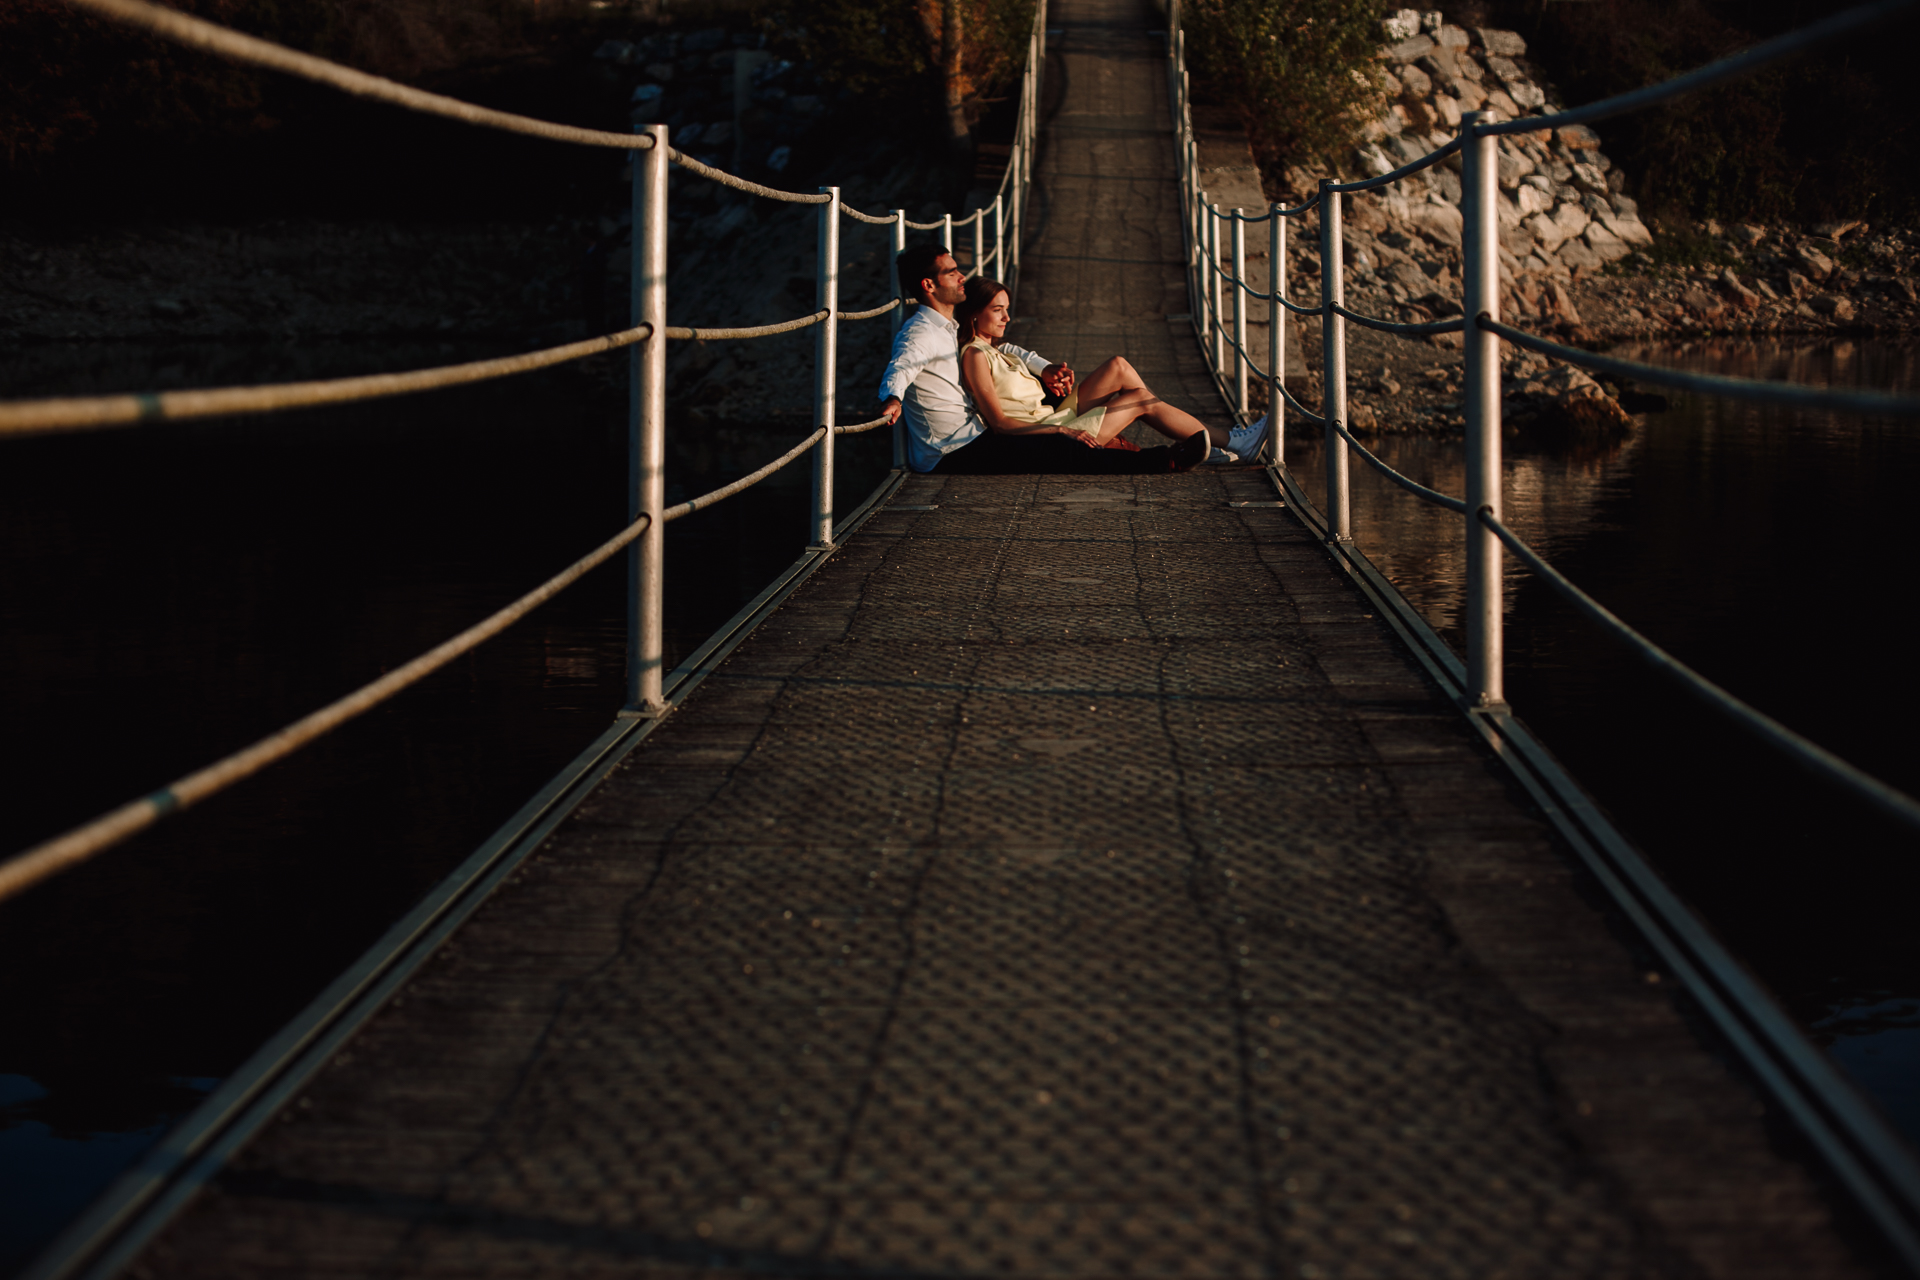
(1045, 875)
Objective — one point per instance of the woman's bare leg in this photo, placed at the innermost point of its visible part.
(1117, 386)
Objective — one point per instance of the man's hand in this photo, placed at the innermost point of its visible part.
(1057, 379)
(890, 409)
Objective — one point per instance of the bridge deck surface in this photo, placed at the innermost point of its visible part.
(1072, 879)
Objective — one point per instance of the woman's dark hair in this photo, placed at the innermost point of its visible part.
(916, 264)
(980, 295)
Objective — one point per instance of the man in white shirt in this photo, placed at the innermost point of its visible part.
(922, 382)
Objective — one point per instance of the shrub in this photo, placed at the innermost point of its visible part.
(1297, 70)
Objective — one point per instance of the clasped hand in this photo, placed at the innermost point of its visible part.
(1057, 379)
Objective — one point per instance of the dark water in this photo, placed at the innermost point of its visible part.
(170, 594)
(1774, 551)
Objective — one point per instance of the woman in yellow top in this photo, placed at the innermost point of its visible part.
(1011, 399)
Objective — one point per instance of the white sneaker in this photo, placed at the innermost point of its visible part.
(1246, 440)
(1219, 456)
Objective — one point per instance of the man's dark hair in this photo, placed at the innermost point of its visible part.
(916, 264)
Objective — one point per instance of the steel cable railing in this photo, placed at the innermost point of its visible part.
(644, 342)
(1794, 394)
(1809, 755)
(1883, 1176)
(1406, 482)
(1453, 324)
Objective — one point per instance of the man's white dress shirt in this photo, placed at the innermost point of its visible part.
(925, 373)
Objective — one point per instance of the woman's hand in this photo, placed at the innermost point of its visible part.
(1086, 438)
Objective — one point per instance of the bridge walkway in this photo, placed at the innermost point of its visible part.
(1073, 878)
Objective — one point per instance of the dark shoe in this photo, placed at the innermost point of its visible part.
(1192, 451)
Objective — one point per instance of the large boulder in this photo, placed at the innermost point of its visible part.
(1408, 50)
(1815, 263)
(1605, 245)
(1549, 234)
(1506, 44)
(1738, 294)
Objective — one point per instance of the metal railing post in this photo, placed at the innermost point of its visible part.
(946, 232)
(1240, 314)
(647, 431)
(898, 318)
(826, 350)
(1215, 327)
(979, 241)
(1481, 289)
(999, 239)
(1333, 364)
(1276, 449)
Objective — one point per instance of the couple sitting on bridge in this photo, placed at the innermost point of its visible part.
(977, 405)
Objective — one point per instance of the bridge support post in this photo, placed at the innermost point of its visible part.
(647, 432)
(1000, 239)
(1276, 336)
(979, 241)
(1480, 166)
(1333, 363)
(900, 317)
(1240, 314)
(1216, 324)
(826, 352)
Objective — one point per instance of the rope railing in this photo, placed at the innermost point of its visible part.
(716, 334)
(210, 37)
(745, 482)
(726, 179)
(198, 33)
(76, 846)
(871, 312)
(81, 413)
(45, 417)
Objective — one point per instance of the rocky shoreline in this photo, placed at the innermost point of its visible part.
(1578, 264)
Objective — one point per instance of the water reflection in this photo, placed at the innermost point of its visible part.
(1768, 548)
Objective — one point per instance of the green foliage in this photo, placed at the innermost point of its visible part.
(1299, 70)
